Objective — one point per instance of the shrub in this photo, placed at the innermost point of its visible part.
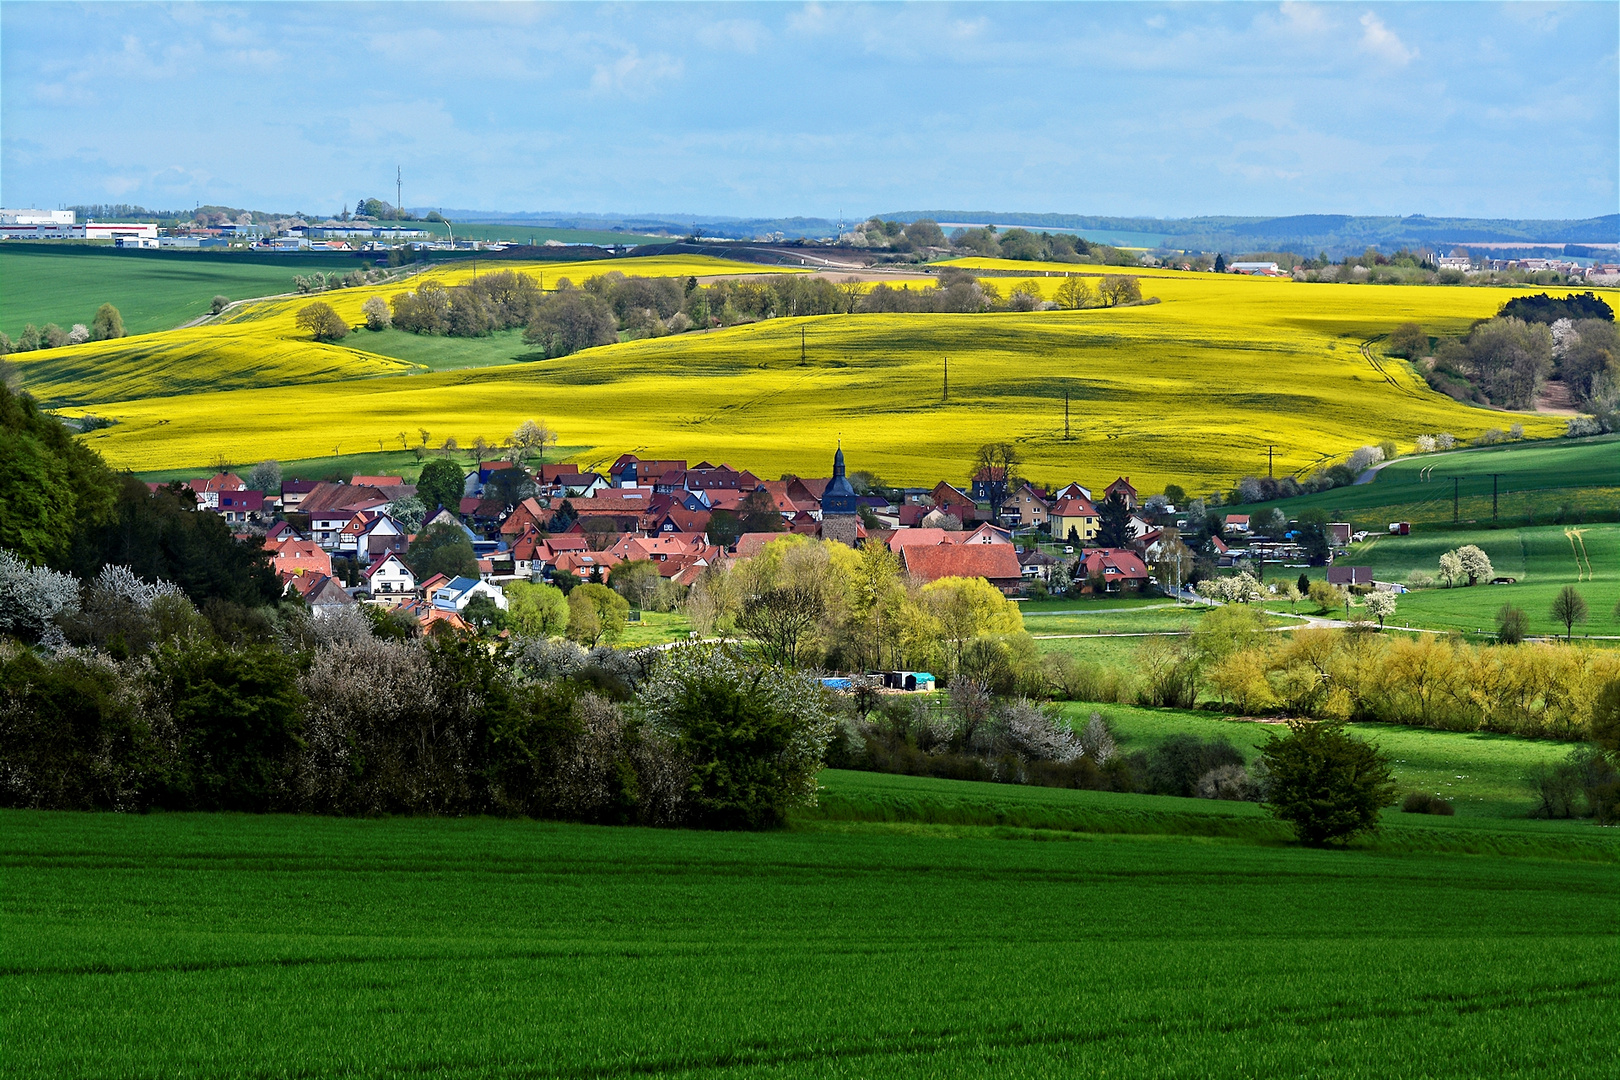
(107, 324)
(1421, 802)
(378, 317)
(322, 321)
(1511, 624)
(754, 735)
(1326, 783)
(219, 304)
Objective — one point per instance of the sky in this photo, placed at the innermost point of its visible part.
(821, 109)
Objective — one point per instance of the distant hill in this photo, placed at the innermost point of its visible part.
(1336, 234)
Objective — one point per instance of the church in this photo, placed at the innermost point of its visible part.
(840, 513)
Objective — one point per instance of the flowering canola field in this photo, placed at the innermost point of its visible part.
(1192, 389)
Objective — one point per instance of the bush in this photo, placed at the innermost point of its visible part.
(754, 735)
(322, 321)
(1326, 783)
(219, 304)
(1178, 764)
(1421, 802)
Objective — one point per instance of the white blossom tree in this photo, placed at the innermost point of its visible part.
(1380, 605)
(1475, 564)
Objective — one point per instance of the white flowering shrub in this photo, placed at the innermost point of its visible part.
(31, 598)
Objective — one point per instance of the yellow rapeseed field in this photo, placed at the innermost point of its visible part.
(1192, 389)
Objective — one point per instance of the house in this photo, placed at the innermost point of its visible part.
(456, 594)
(368, 535)
(955, 502)
(1037, 564)
(292, 558)
(324, 594)
(989, 484)
(1073, 491)
(1338, 533)
(1237, 523)
(293, 492)
(582, 564)
(925, 536)
(1025, 508)
(1349, 575)
(1074, 519)
(995, 563)
(326, 527)
(1122, 487)
(241, 507)
(390, 577)
(378, 481)
(208, 491)
(1118, 569)
(986, 534)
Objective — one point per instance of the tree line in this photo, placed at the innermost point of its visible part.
(105, 325)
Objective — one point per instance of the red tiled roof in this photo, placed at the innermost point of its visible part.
(993, 562)
(1074, 508)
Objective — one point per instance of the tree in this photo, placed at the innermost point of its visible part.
(532, 437)
(1303, 584)
(52, 488)
(484, 615)
(265, 477)
(1312, 537)
(759, 513)
(107, 324)
(1380, 605)
(1220, 263)
(1450, 567)
(1569, 608)
(322, 322)
(378, 317)
(724, 528)
(570, 320)
(596, 613)
(1326, 783)
(537, 610)
(1407, 341)
(754, 735)
(1474, 563)
(786, 589)
(219, 304)
(237, 714)
(1511, 624)
(1113, 522)
(1120, 289)
(1074, 293)
(1176, 495)
(636, 580)
(996, 466)
(440, 486)
(442, 549)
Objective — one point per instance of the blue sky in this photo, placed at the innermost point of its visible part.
(821, 109)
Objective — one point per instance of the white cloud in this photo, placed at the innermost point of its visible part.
(1379, 40)
(1305, 18)
(634, 75)
(738, 35)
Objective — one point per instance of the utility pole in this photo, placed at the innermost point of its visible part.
(1494, 477)
(1065, 413)
(1456, 482)
(399, 190)
(1269, 449)
(945, 392)
(801, 347)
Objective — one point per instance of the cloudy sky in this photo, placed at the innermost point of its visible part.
(822, 109)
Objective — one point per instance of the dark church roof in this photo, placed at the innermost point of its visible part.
(839, 498)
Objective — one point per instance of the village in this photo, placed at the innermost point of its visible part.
(336, 544)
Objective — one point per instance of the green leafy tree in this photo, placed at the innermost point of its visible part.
(536, 610)
(107, 324)
(759, 513)
(160, 537)
(484, 615)
(754, 735)
(1326, 783)
(596, 613)
(1407, 341)
(724, 528)
(440, 486)
(1511, 624)
(442, 549)
(238, 714)
(52, 489)
(636, 581)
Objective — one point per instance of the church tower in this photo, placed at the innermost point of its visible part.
(840, 514)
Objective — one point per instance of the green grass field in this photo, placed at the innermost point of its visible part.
(447, 353)
(341, 467)
(1542, 558)
(1178, 939)
(1139, 620)
(1483, 775)
(152, 290)
(1569, 480)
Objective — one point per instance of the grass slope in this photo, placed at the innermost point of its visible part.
(1543, 558)
(1191, 389)
(1535, 481)
(208, 945)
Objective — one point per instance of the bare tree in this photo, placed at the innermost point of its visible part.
(1569, 608)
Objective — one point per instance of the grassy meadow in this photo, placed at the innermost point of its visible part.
(1190, 390)
(1535, 482)
(152, 290)
(909, 927)
(1542, 558)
